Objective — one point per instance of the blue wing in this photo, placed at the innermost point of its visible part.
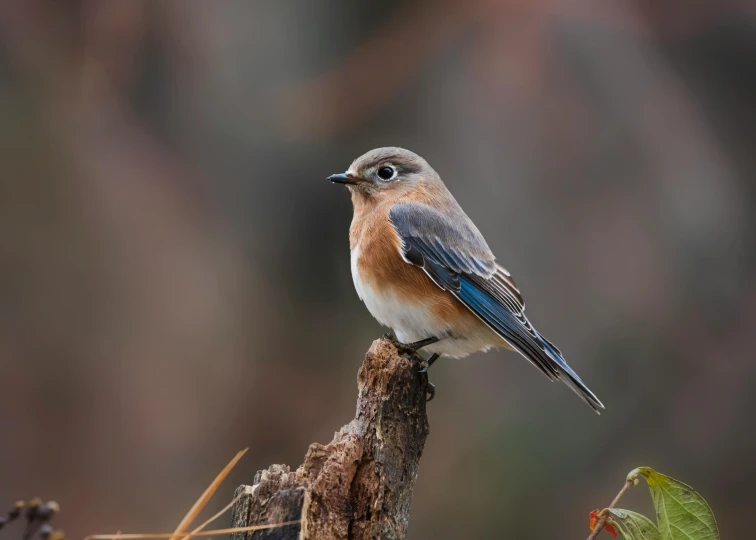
(451, 250)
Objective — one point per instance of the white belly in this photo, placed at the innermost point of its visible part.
(416, 321)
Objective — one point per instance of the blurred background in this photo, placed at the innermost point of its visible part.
(174, 268)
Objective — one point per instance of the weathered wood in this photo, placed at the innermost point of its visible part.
(359, 485)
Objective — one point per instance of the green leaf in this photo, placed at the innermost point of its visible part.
(681, 513)
(634, 526)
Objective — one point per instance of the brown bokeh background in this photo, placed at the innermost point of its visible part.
(174, 269)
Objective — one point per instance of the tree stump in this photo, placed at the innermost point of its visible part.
(359, 485)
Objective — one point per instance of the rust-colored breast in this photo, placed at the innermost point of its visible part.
(382, 267)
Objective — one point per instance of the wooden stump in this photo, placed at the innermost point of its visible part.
(360, 484)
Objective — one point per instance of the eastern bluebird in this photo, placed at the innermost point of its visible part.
(423, 269)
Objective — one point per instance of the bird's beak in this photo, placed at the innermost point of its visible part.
(344, 178)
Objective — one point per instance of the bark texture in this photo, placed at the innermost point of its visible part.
(360, 484)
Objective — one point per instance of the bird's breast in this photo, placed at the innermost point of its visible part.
(389, 302)
(398, 294)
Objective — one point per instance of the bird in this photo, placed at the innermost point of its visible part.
(423, 269)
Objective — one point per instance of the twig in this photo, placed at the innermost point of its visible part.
(216, 516)
(201, 533)
(202, 501)
(632, 479)
(192, 514)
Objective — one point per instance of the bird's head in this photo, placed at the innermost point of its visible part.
(386, 173)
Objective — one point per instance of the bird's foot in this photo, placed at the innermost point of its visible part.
(430, 391)
(409, 349)
(425, 364)
(430, 388)
(403, 349)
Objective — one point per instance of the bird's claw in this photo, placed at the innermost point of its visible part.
(410, 349)
(430, 388)
(430, 391)
(402, 348)
(411, 352)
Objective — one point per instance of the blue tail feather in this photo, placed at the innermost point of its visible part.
(530, 344)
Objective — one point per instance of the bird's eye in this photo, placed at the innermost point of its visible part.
(387, 173)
